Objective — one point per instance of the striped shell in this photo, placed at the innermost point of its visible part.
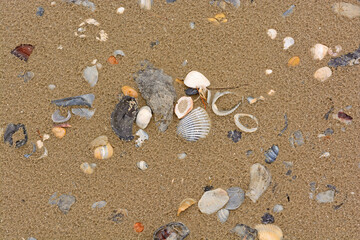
(104, 152)
(195, 125)
(223, 215)
(271, 154)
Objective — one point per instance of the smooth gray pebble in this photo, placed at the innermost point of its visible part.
(278, 208)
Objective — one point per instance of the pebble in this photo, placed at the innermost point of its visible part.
(268, 71)
(325, 197)
(244, 232)
(322, 74)
(120, 10)
(99, 204)
(236, 198)
(142, 137)
(192, 25)
(40, 11)
(288, 42)
(213, 200)
(296, 139)
(64, 202)
(142, 165)
(31, 238)
(267, 219)
(181, 156)
(91, 75)
(278, 208)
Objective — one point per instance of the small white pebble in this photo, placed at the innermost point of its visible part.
(272, 33)
(325, 154)
(182, 156)
(120, 10)
(268, 71)
(51, 86)
(99, 66)
(271, 92)
(192, 25)
(278, 208)
(46, 136)
(94, 61)
(60, 47)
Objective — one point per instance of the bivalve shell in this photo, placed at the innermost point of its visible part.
(144, 116)
(183, 106)
(319, 51)
(260, 179)
(59, 132)
(236, 198)
(213, 200)
(129, 91)
(104, 152)
(223, 215)
(195, 125)
(195, 79)
(269, 232)
(185, 204)
(142, 165)
(322, 74)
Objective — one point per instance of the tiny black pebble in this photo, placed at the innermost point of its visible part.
(288, 172)
(23, 200)
(191, 91)
(267, 218)
(208, 188)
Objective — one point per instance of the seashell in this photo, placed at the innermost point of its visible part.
(260, 179)
(99, 204)
(23, 51)
(138, 227)
(33, 151)
(91, 75)
(183, 106)
(112, 60)
(11, 129)
(119, 52)
(51, 86)
(82, 100)
(208, 96)
(346, 9)
(319, 51)
(223, 215)
(195, 79)
(267, 218)
(145, 4)
(323, 74)
(142, 137)
(103, 36)
(59, 132)
(104, 152)
(342, 117)
(294, 61)
(272, 33)
(244, 232)
(99, 141)
(87, 168)
(278, 208)
(191, 91)
(236, 198)
(83, 112)
(120, 10)
(27, 76)
(185, 204)
(143, 117)
(224, 112)
(39, 144)
(338, 49)
(213, 200)
(288, 42)
(181, 156)
(46, 137)
(45, 154)
(129, 91)
(268, 71)
(242, 127)
(172, 231)
(57, 118)
(195, 125)
(289, 11)
(269, 232)
(271, 154)
(271, 92)
(142, 165)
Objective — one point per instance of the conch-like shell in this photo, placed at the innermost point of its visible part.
(195, 79)
(260, 179)
(143, 117)
(104, 152)
(185, 204)
(269, 232)
(195, 125)
(183, 106)
(319, 51)
(224, 112)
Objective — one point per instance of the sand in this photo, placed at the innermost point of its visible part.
(236, 53)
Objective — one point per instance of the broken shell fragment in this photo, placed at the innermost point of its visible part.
(145, 4)
(119, 52)
(213, 200)
(143, 117)
(172, 231)
(342, 117)
(59, 132)
(242, 127)
(222, 112)
(346, 9)
(272, 33)
(271, 154)
(82, 100)
(323, 74)
(195, 125)
(288, 42)
(244, 232)
(319, 51)
(83, 112)
(104, 152)
(294, 61)
(142, 137)
(185, 204)
(57, 118)
(269, 232)
(39, 144)
(260, 179)
(23, 51)
(223, 215)
(183, 106)
(87, 168)
(99, 141)
(91, 75)
(142, 165)
(45, 154)
(268, 71)
(129, 91)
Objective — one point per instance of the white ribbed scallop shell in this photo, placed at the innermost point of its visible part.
(195, 125)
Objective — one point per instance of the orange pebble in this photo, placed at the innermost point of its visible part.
(113, 60)
(294, 61)
(138, 227)
(129, 91)
(59, 132)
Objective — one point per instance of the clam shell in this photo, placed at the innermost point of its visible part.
(183, 106)
(260, 179)
(223, 215)
(195, 125)
(272, 33)
(104, 152)
(142, 165)
(319, 51)
(322, 74)
(213, 200)
(195, 79)
(242, 127)
(185, 204)
(224, 112)
(57, 118)
(271, 154)
(144, 116)
(59, 132)
(288, 42)
(236, 198)
(269, 232)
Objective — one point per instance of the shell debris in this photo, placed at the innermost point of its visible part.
(183, 106)
(242, 127)
(223, 215)
(260, 179)
(222, 112)
(59, 132)
(142, 165)
(185, 204)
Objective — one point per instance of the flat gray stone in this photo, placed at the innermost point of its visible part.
(325, 197)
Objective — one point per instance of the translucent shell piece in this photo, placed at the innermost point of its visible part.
(195, 79)
(185, 204)
(87, 168)
(104, 152)
(222, 112)
(129, 91)
(183, 106)
(195, 125)
(242, 127)
(272, 33)
(57, 118)
(269, 232)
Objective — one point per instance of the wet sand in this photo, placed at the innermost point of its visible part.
(235, 53)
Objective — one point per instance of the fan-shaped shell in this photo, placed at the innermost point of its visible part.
(223, 215)
(185, 204)
(195, 125)
(269, 232)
